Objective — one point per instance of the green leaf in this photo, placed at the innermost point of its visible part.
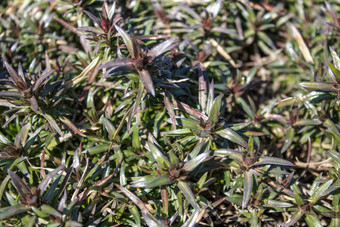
(50, 210)
(321, 86)
(229, 134)
(272, 161)
(109, 127)
(335, 156)
(159, 181)
(161, 160)
(246, 107)
(188, 123)
(312, 221)
(233, 154)
(174, 163)
(336, 59)
(82, 75)
(247, 188)
(185, 189)
(193, 163)
(215, 109)
(127, 40)
(316, 196)
(276, 204)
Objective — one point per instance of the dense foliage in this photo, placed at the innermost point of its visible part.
(169, 113)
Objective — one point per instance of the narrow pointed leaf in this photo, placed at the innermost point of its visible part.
(161, 160)
(215, 109)
(247, 188)
(185, 189)
(44, 183)
(147, 81)
(321, 86)
(20, 186)
(149, 219)
(117, 63)
(312, 221)
(193, 163)
(127, 40)
(170, 110)
(162, 48)
(109, 127)
(231, 135)
(265, 160)
(53, 124)
(7, 212)
(321, 190)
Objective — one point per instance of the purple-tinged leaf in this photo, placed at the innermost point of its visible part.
(202, 87)
(147, 81)
(305, 122)
(247, 188)
(159, 181)
(231, 135)
(24, 191)
(233, 154)
(162, 48)
(149, 219)
(215, 7)
(161, 160)
(21, 137)
(94, 18)
(34, 104)
(53, 124)
(18, 80)
(170, 110)
(194, 218)
(42, 79)
(44, 183)
(67, 122)
(136, 48)
(225, 31)
(321, 86)
(276, 204)
(68, 26)
(193, 163)
(185, 189)
(210, 98)
(265, 160)
(12, 210)
(4, 102)
(189, 110)
(127, 40)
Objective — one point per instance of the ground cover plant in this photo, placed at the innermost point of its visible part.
(169, 113)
